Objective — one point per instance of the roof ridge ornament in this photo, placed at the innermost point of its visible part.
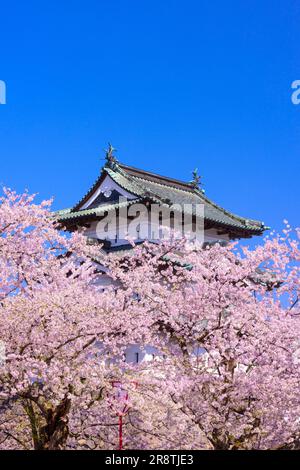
(196, 182)
(110, 159)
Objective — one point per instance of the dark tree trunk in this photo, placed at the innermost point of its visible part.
(54, 435)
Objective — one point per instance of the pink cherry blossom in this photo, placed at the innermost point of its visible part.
(224, 323)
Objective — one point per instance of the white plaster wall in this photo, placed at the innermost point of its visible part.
(135, 354)
(108, 184)
(144, 231)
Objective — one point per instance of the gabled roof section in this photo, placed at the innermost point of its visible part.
(118, 178)
(123, 179)
(145, 185)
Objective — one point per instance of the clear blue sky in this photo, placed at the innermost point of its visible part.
(172, 84)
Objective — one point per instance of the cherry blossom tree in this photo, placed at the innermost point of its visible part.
(224, 323)
(228, 326)
(62, 335)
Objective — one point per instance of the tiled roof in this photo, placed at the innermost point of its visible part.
(156, 188)
(69, 214)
